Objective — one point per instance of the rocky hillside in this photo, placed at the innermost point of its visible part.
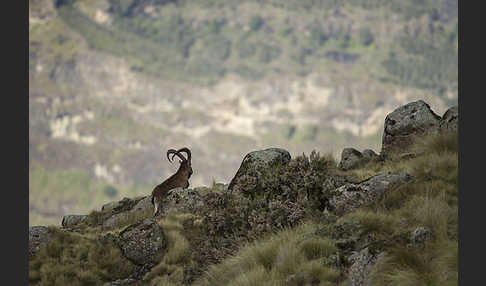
(373, 219)
(113, 84)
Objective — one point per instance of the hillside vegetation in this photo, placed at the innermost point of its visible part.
(408, 237)
(113, 84)
(204, 40)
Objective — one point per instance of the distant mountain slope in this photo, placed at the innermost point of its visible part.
(114, 84)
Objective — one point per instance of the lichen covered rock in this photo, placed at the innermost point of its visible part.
(142, 242)
(413, 119)
(73, 220)
(256, 163)
(183, 200)
(38, 236)
(352, 196)
(450, 120)
(362, 264)
(350, 158)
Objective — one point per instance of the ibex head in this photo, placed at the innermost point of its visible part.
(185, 162)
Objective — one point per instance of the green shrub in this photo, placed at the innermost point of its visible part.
(73, 259)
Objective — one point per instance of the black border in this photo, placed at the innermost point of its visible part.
(471, 239)
(15, 139)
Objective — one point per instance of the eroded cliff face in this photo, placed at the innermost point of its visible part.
(177, 114)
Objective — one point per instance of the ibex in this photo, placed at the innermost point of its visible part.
(179, 179)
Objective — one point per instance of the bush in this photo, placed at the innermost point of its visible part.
(72, 259)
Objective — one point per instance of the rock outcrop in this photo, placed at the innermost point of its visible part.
(131, 208)
(352, 196)
(255, 163)
(450, 120)
(182, 200)
(143, 242)
(352, 158)
(73, 220)
(38, 237)
(362, 264)
(405, 122)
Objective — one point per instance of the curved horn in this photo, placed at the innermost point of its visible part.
(174, 153)
(187, 151)
(171, 151)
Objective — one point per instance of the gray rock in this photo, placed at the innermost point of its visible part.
(138, 208)
(450, 120)
(405, 122)
(142, 242)
(73, 220)
(38, 237)
(369, 154)
(184, 200)
(257, 162)
(143, 205)
(350, 158)
(352, 196)
(421, 235)
(111, 205)
(362, 264)
(114, 212)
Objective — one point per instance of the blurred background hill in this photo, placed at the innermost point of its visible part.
(113, 84)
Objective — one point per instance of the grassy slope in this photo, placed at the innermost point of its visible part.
(429, 200)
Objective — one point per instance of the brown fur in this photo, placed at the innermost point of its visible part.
(179, 179)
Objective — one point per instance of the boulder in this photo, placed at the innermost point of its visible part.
(142, 242)
(350, 158)
(138, 209)
(450, 120)
(370, 154)
(73, 220)
(413, 119)
(362, 263)
(38, 236)
(120, 206)
(255, 163)
(352, 196)
(115, 212)
(183, 200)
